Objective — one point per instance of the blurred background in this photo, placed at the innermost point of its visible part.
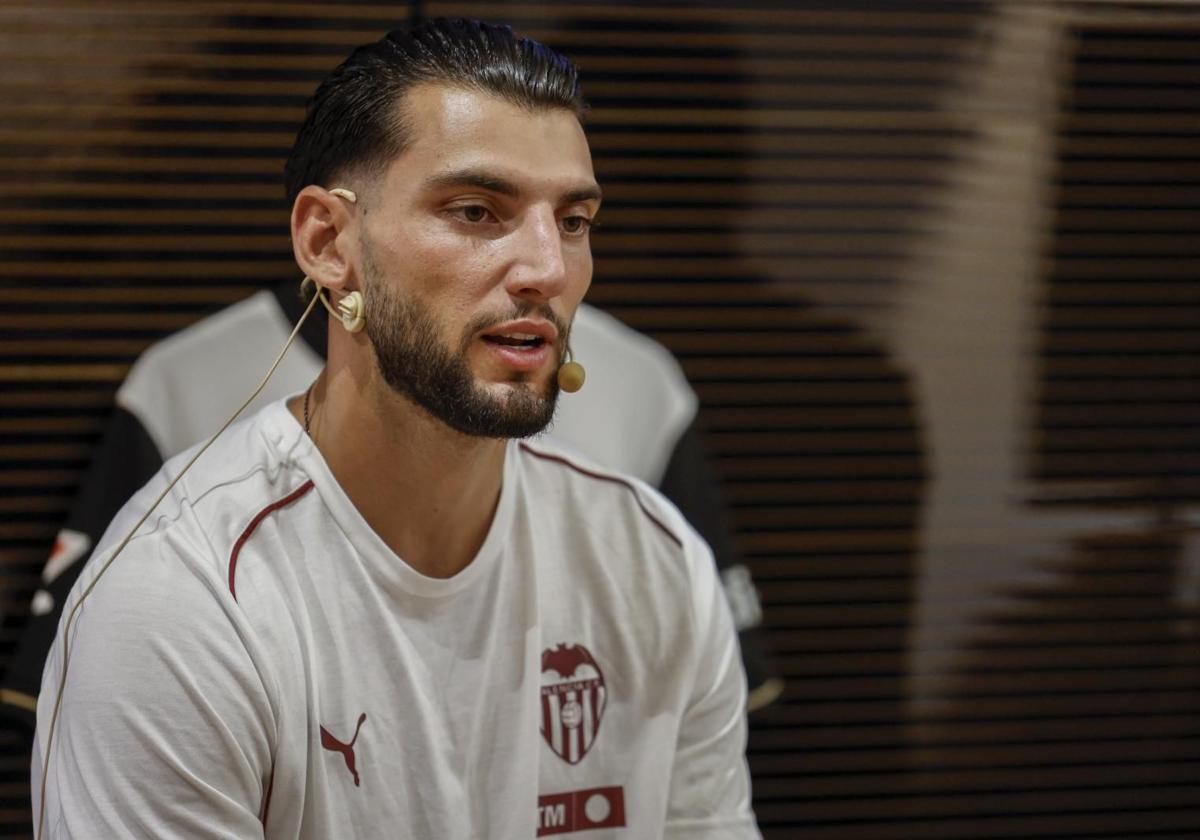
(931, 267)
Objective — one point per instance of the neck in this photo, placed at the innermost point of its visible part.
(428, 491)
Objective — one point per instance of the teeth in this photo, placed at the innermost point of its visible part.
(515, 340)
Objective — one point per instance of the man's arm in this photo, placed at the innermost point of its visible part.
(692, 484)
(710, 782)
(125, 459)
(151, 423)
(166, 728)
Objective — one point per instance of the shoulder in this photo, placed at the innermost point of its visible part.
(154, 601)
(634, 534)
(161, 601)
(577, 481)
(162, 581)
(200, 519)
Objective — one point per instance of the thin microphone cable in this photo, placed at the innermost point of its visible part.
(62, 682)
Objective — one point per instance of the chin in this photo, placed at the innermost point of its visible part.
(539, 385)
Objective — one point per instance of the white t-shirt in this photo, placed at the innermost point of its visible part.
(258, 663)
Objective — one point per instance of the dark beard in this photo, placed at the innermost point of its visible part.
(413, 362)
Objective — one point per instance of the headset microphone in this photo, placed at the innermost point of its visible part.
(351, 311)
(571, 375)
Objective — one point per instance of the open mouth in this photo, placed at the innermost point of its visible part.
(524, 340)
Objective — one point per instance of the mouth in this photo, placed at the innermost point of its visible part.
(525, 341)
(524, 334)
(521, 347)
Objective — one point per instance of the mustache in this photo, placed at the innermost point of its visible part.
(543, 310)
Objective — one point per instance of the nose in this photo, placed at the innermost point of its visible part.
(539, 271)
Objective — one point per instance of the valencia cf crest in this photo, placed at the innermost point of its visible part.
(573, 698)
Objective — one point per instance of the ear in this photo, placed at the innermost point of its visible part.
(321, 239)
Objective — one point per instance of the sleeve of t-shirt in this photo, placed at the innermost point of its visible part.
(692, 484)
(166, 727)
(710, 781)
(125, 459)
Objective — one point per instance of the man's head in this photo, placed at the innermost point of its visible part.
(469, 238)
(353, 126)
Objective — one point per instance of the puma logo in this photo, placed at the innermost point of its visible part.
(347, 750)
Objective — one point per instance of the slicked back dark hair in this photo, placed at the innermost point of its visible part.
(354, 122)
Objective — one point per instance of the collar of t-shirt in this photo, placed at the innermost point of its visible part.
(297, 451)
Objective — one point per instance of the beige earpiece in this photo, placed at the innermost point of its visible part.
(352, 312)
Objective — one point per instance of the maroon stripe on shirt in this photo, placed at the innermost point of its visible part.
(558, 459)
(254, 523)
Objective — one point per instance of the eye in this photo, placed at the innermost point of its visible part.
(576, 225)
(473, 213)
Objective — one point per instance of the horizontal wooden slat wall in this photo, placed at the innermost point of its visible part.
(768, 168)
(750, 154)
(1083, 684)
(1124, 304)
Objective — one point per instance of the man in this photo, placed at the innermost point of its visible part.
(637, 415)
(370, 609)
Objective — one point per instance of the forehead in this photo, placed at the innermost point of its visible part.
(454, 129)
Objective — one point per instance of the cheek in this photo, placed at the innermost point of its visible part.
(438, 264)
(424, 247)
(579, 274)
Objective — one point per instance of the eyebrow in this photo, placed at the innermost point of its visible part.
(502, 186)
